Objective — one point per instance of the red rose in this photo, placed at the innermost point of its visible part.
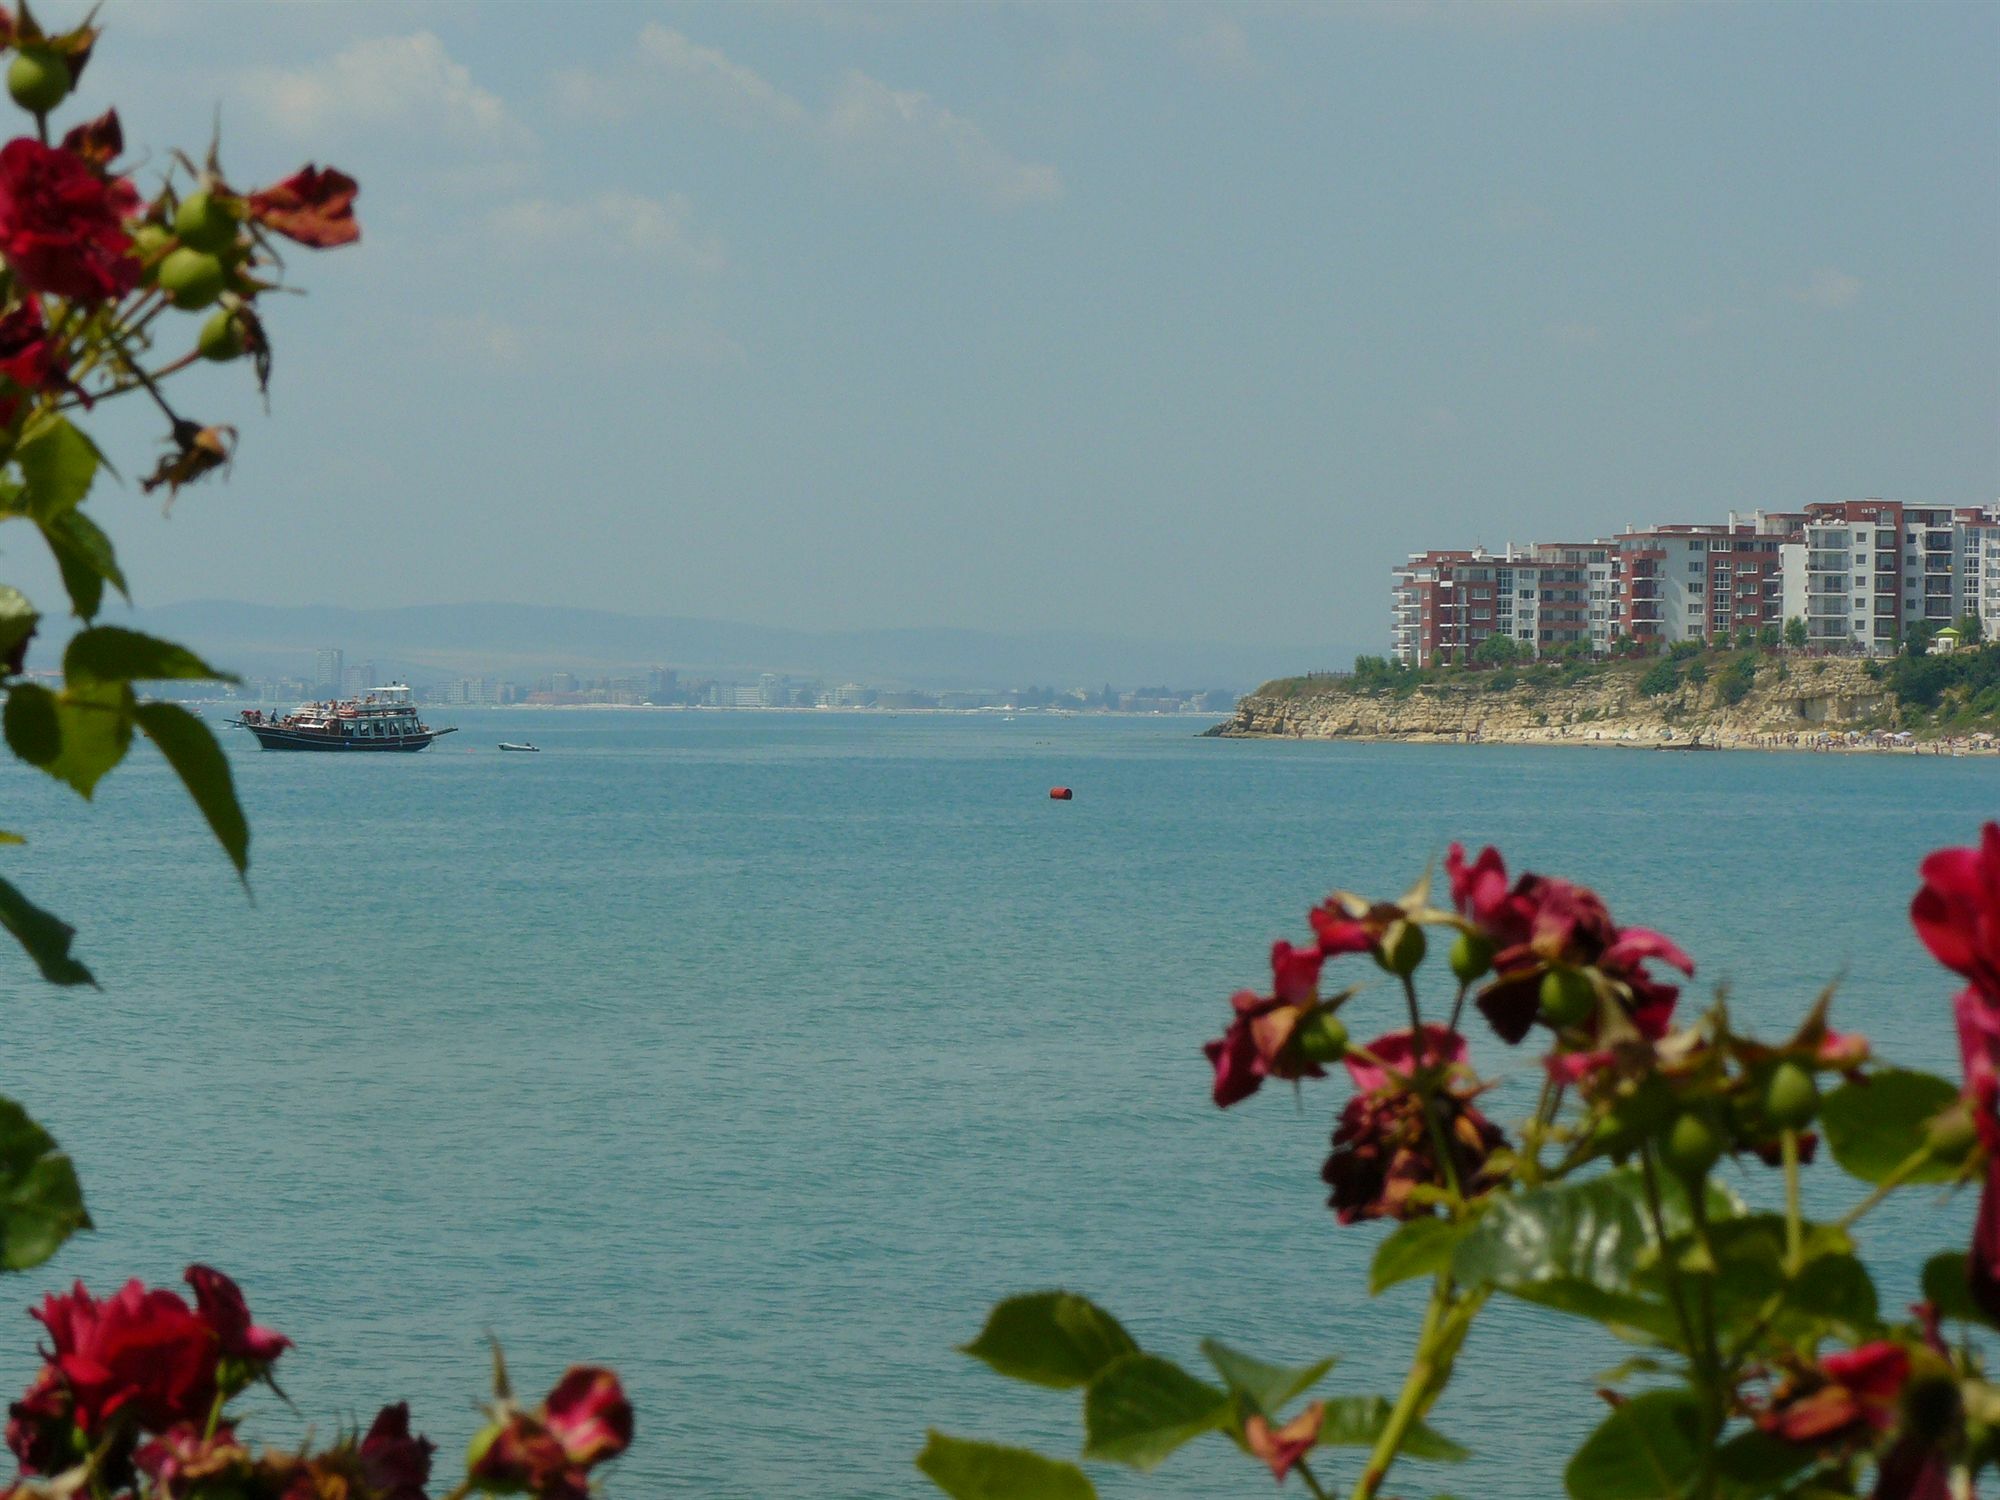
(138, 1351)
(1957, 911)
(221, 1302)
(1281, 1447)
(549, 1452)
(62, 226)
(521, 1454)
(29, 362)
(39, 1425)
(1852, 1394)
(99, 142)
(181, 1458)
(589, 1415)
(397, 1465)
(1257, 1044)
(1541, 922)
(313, 206)
(1957, 914)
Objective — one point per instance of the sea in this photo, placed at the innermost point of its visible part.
(756, 1054)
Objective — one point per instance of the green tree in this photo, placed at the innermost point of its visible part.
(1971, 628)
(1795, 633)
(1770, 637)
(1498, 651)
(1917, 638)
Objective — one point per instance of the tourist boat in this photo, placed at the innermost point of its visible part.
(384, 720)
(522, 749)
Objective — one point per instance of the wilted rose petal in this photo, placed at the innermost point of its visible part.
(314, 206)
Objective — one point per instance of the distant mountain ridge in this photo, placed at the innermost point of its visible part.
(522, 640)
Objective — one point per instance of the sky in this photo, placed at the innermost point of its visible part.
(1171, 320)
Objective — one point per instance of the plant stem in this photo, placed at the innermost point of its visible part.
(1458, 1006)
(1795, 1253)
(1671, 1271)
(1427, 1089)
(1905, 1170)
(1409, 1400)
(1311, 1482)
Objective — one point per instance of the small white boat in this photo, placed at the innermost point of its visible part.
(522, 749)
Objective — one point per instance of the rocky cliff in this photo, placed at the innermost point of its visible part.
(1600, 703)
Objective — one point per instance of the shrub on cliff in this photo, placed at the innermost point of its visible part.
(1926, 680)
(1661, 678)
(1734, 682)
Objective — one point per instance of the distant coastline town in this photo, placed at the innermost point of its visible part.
(1853, 576)
(333, 676)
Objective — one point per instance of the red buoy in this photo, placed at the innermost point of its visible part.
(1061, 793)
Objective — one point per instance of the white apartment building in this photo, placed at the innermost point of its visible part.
(1865, 571)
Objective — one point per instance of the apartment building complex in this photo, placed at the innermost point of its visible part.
(1857, 572)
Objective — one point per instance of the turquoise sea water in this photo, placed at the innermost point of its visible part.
(756, 1054)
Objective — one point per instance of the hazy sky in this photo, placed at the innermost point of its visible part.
(1173, 320)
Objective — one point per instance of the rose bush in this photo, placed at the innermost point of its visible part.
(1771, 1364)
(134, 1395)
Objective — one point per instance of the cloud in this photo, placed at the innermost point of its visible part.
(1694, 325)
(648, 228)
(1220, 48)
(407, 83)
(1828, 288)
(868, 128)
(557, 335)
(905, 133)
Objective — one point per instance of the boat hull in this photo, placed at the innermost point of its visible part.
(271, 737)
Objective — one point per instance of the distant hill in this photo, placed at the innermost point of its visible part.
(436, 641)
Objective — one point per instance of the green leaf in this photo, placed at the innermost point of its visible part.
(34, 732)
(1141, 1407)
(1839, 1289)
(1578, 1247)
(1875, 1125)
(94, 730)
(1357, 1422)
(1754, 1464)
(969, 1470)
(1267, 1388)
(106, 653)
(84, 556)
(18, 620)
(59, 464)
(1050, 1338)
(1417, 1247)
(46, 937)
(1832, 1286)
(1647, 1449)
(204, 770)
(41, 1204)
(1947, 1287)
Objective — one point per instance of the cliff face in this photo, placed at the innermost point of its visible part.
(1792, 698)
